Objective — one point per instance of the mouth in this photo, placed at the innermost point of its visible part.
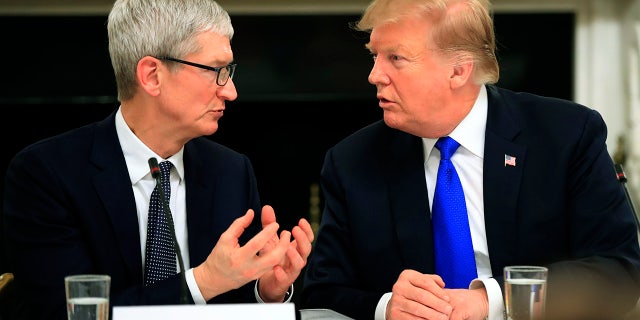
(216, 114)
(383, 102)
(382, 99)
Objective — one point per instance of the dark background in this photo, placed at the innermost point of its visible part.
(301, 79)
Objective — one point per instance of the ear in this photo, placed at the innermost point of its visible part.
(149, 75)
(461, 72)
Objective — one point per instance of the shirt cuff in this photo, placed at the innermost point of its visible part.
(287, 296)
(381, 308)
(193, 287)
(494, 295)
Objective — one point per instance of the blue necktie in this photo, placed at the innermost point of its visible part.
(160, 256)
(455, 261)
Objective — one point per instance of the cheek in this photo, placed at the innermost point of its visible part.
(197, 97)
(417, 89)
(424, 96)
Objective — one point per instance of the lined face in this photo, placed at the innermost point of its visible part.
(411, 77)
(194, 99)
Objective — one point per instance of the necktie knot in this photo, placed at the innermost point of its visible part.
(447, 147)
(165, 174)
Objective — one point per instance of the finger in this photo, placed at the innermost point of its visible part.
(432, 283)
(416, 309)
(285, 239)
(260, 239)
(268, 215)
(416, 300)
(276, 255)
(438, 280)
(428, 282)
(280, 274)
(306, 227)
(290, 269)
(238, 226)
(296, 260)
(302, 241)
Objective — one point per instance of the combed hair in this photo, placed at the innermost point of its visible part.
(139, 28)
(461, 28)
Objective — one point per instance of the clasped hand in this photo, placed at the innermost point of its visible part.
(423, 296)
(275, 260)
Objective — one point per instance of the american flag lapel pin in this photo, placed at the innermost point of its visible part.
(509, 160)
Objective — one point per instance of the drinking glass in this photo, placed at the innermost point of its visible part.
(525, 292)
(87, 296)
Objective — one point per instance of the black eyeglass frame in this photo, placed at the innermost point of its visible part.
(231, 68)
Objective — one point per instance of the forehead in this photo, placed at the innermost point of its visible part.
(410, 32)
(214, 47)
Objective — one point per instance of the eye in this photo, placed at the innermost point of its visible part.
(395, 58)
(374, 56)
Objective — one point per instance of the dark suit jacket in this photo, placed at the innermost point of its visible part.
(560, 206)
(69, 209)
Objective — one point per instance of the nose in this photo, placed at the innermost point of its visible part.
(228, 91)
(377, 74)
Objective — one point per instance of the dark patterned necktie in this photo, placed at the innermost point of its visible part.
(455, 261)
(160, 257)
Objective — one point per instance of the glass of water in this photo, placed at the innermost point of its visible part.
(525, 292)
(87, 296)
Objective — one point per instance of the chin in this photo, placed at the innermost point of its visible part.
(211, 129)
(392, 121)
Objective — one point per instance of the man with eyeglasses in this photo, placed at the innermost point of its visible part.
(78, 203)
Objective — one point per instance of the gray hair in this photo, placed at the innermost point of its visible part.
(139, 28)
(461, 28)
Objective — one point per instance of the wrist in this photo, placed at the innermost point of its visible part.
(481, 292)
(203, 279)
(262, 298)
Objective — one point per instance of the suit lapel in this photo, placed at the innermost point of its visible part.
(112, 183)
(409, 201)
(502, 179)
(199, 205)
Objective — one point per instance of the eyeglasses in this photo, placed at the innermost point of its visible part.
(223, 74)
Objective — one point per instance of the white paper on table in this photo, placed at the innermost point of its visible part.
(322, 314)
(237, 311)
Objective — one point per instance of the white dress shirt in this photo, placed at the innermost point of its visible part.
(468, 160)
(136, 155)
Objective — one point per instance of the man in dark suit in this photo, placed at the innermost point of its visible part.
(539, 185)
(77, 203)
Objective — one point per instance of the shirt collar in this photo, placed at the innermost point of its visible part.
(470, 132)
(137, 154)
